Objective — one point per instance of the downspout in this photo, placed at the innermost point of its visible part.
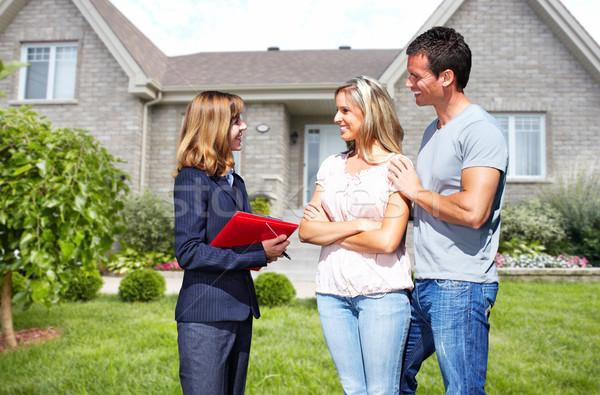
(145, 138)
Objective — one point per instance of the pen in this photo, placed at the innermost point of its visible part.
(283, 253)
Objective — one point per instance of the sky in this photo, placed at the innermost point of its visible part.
(180, 27)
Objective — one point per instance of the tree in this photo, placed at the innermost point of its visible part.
(61, 195)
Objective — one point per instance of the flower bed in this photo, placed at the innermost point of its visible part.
(168, 266)
(544, 267)
(540, 261)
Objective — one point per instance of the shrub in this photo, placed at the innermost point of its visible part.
(129, 259)
(60, 197)
(273, 289)
(577, 199)
(148, 223)
(518, 247)
(84, 285)
(142, 286)
(260, 205)
(529, 222)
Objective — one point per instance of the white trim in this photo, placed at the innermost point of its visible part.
(139, 84)
(397, 68)
(50, 78)
(552, 12)
(570, 33)
(323, 129)
(512, 147)
(254, 93)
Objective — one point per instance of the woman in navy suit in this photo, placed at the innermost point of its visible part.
(217, 298)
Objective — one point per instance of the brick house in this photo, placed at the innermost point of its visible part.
(534, 67)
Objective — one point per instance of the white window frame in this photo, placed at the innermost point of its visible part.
(512, 149)
(324, 148)
(51, 68)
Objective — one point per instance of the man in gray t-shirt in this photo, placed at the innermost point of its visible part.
(457, 190)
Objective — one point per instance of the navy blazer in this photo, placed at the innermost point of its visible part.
(216, 283)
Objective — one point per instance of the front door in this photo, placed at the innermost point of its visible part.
(320, 142)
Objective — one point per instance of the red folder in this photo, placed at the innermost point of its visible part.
(245, 228)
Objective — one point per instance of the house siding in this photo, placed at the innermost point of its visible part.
(165, 123)
(103, 105)
(264, 163)
(519, 65)
(265, 156)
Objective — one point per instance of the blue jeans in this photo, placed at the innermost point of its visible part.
(366, 337)
(451, 319)
(213, 356)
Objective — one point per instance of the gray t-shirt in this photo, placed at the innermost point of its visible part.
(473, 138)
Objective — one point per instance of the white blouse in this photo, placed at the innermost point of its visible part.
(346, 197)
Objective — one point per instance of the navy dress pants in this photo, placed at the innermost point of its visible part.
(213, 356)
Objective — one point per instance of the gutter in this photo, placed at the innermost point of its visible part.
(145, 138)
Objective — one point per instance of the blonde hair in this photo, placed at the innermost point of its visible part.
(204, 140)
(380, 122)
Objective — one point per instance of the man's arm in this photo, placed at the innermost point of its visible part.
(471, 207)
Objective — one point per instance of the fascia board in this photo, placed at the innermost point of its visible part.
(254, 92)
(570, 33)
(9, 10)
(398, 67)
(139, 83)
(144, 88)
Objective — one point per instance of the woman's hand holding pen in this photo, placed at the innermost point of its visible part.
(274, 248)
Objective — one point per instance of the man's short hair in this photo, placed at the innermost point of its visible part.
(445, 49)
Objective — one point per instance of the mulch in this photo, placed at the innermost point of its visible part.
(30, 336)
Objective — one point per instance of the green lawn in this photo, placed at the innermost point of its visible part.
(545, 339)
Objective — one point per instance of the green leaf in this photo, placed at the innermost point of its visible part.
(43, 165)
(66, 247)
(39, 290)
(22, 170)
(51, 275)
(79, 203)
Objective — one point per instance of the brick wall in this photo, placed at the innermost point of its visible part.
(103, 106)
(265, 165)
(165, 127)
(519, 65)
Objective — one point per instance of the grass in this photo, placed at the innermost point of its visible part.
(545, 339)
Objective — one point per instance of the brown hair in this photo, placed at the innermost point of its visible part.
(204, 141)
(445, 49)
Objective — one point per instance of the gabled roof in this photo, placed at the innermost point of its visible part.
(275, 67)
(290, 76)
(552, 12)
(141, 60)
(147, 55)
(277, 75)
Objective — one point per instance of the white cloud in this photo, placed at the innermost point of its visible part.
(188, 26)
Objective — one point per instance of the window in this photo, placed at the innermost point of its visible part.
(51, 71)
(526, 138)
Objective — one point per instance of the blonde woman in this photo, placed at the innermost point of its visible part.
(364, 272)
(217, 300)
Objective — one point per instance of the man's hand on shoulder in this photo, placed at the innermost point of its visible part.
(404, 177)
